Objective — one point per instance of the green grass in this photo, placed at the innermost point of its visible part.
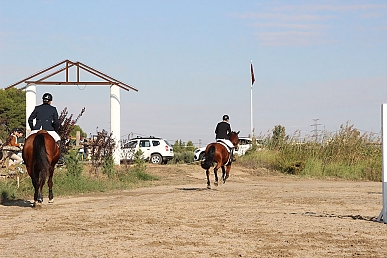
(346, 154)
(69, 183)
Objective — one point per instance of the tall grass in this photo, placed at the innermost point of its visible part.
(345, 154)
(69, 182)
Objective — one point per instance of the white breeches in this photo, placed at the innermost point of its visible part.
(54, 134)
(14, 158)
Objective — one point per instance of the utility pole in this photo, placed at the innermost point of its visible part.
(315, 131)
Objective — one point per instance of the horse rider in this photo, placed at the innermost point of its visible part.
(223, 131)
(13, 141)
(46, 118)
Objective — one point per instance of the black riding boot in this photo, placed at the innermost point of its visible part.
(61, 160)
(232, 158)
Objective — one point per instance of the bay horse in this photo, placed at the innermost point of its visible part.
(218, 152)
(40, 154)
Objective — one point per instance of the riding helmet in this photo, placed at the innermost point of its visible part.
(225, 117)
(19, 130)
(47, 97)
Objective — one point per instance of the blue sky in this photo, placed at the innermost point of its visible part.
(190, 61)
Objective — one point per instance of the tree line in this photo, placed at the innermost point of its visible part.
(12, 111)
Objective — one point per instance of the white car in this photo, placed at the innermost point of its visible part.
(244, 144)
(155, 150)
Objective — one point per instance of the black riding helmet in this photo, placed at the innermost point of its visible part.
(225, 117)
(19, 130)
(47, 97)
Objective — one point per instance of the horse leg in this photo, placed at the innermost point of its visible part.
(228, 168)
(41, 183)
(208, 179)
(223, 174)
(50, 193)
(40, 193)
(36, 188)
(216, 175)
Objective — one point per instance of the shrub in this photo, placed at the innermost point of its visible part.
(183, 157)
(345, 154)
(73, 165)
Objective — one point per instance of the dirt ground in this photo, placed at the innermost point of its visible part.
(255, 214)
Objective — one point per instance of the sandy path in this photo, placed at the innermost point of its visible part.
(249, 216)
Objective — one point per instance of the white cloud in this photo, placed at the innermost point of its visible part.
(297, 26)
(306, 25)
(333, 8)
(291, 38)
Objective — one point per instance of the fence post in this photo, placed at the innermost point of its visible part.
(383, 213)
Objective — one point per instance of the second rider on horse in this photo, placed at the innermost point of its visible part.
(223, 131)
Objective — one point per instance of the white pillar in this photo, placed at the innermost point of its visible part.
(383, 213)
(30, 104)
(115, 120)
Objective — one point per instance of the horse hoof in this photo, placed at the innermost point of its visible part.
(208, 187)
(37, 204)
(216, 183)
(51, 201)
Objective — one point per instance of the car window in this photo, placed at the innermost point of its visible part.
(244, 141)
(130, 144)
(144, 143)
(155, 143)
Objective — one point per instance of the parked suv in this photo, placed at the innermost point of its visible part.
(155, 150)
(244, 144)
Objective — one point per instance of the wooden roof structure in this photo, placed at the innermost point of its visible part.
(40, 78)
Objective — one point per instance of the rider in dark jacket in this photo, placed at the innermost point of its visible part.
(46, 118)
(223, 131)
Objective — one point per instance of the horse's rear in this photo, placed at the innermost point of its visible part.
(40, 154)
(218, 153)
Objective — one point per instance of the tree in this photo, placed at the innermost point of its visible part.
(190, 146)
(278, 136)
(12, 110)
(76, 128)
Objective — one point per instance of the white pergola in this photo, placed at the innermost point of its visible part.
(64, 66)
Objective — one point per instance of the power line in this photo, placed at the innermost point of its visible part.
(315, 131)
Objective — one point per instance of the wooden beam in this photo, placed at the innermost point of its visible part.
(70, 83)
(36, 74)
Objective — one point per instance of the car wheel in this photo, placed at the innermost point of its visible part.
(156, 159)
(202, 155)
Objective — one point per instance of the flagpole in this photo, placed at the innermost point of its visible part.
(251, 99)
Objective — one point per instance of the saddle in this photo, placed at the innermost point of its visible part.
(228, 148)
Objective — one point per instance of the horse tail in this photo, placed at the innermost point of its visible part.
(209, 157)
(40, 158)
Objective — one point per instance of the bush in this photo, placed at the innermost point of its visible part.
(108, 167)
(183, 157)
(345, 154)
(73, 165)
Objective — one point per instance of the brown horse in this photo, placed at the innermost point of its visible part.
(40, 154)
(217, 152)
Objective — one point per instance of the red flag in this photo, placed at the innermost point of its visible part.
(252, 74)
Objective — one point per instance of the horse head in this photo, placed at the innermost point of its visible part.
(234, 139)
